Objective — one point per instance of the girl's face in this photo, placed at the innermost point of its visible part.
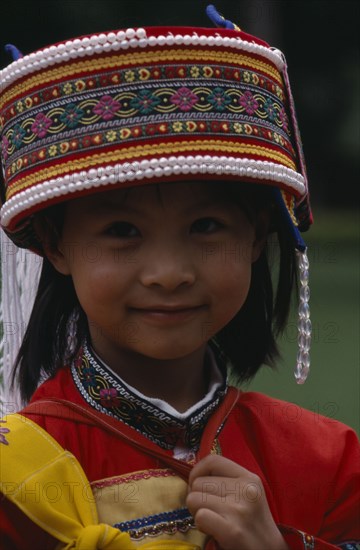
(158, 269)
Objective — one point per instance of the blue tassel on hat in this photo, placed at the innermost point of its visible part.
(219, 20)
(13, 51)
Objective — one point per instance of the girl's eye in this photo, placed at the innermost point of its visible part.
(122, 230)
(206, 225)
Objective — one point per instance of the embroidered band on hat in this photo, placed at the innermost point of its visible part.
(147, 105)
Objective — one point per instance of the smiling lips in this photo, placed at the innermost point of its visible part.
(168, 312)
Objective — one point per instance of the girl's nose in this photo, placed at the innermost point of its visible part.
(168, 269)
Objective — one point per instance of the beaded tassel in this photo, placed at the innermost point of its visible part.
(304, 322)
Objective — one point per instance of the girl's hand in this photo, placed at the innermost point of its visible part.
(229, 503)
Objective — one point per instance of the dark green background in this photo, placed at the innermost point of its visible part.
(332, 388)
(321, 45)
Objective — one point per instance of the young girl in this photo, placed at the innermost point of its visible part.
(149, 167)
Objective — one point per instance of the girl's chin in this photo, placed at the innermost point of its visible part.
(153, 351)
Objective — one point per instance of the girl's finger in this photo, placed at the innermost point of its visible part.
(215, 465)
(249, 489)
(213, 485)
(213, 524)
(223, 506)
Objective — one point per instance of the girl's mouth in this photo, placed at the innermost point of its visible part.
(167, 314)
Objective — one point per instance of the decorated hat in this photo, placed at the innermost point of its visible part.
(147, 105)
(141, 106)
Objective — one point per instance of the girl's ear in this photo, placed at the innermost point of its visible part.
(262, 226)
(50, 239)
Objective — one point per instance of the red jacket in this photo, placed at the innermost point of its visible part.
(309, 466)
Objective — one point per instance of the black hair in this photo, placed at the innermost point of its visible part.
(249, 340)
(246, 343)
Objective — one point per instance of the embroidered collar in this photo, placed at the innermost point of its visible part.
(107, 392)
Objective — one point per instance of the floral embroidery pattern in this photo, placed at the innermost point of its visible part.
(121, 106)
(145, 102)
(249, 103)
(219, 99)
(89, 379)
(136, 113)
(283, 118)
(3, 431)
(130, 76)
(184, 99)
(109, 397)
(4, 147)
(18, 135)
(106, 393)
(145, 74)
(41, 125)
(269, 108)
(71, 115)
(107, 107)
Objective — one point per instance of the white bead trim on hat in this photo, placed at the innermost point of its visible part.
(123, 40)
(147, 169)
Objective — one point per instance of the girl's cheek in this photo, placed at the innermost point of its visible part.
(228, 251)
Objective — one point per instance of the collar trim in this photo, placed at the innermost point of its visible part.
(106, 392)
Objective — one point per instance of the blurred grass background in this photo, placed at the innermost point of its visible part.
(332, 388)
(320, 40)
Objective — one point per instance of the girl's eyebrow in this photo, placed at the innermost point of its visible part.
(114, 207)
(209, 203)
